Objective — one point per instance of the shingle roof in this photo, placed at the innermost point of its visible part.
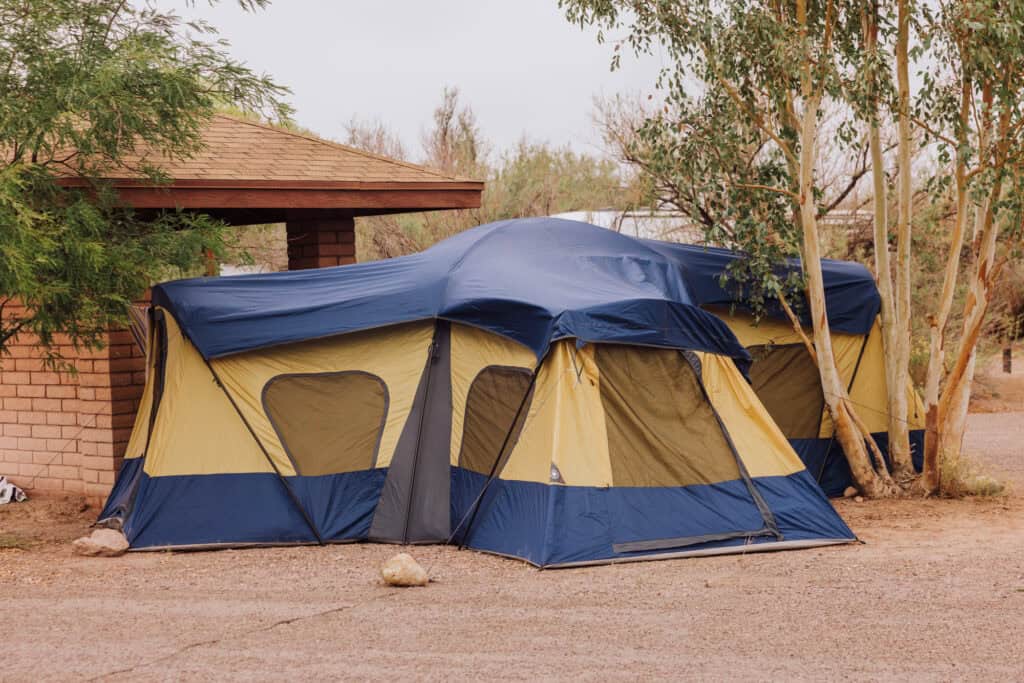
(237, 151)
(250, 172)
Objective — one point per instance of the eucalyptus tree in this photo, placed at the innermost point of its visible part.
(882, 48)
(776, 63)
(972, 107)
(83, 87)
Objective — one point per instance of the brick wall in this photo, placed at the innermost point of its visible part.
(63, 432)
(39, 427)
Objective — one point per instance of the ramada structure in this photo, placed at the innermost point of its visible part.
(67, 432)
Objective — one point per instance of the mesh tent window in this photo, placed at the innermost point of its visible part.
(662, 432)
(328, 423)
(786, 380)
(491, 404)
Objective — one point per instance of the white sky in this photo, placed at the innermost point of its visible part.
(521, 66)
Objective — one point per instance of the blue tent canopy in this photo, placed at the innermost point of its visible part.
(851, 297)
(532, 280)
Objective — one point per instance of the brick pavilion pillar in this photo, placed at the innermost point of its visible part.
(110, 384)
(320, 242)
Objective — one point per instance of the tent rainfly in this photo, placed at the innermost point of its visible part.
(539, 388)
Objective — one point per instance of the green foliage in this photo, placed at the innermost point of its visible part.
(538, 180)
(979, 49)
(84, 87)
(717, 147)
(454, 143)
(723, 147)
(534, 179)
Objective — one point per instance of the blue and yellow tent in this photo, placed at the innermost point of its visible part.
(782, 372)
(539, 388)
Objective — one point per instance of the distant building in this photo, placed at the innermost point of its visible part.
(670, 226)
(843, 230)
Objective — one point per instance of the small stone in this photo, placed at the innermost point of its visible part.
(101, 543)
(858, 499)
(402, 570)
(850, 492)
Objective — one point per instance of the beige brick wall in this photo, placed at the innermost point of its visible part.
(63, 432)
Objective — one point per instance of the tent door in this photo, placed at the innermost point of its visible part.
(414, 505)
(670, 451)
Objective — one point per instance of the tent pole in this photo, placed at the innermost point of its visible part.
(856, 366)
(252, 432)
(475, 507)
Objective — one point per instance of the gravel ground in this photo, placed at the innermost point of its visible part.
(936, 592)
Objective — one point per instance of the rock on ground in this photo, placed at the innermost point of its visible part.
(101, 543)
(403, 570)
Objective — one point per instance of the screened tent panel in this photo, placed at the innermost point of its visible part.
(491, 406)
(662, 432)
(329, 423)
(787, 382)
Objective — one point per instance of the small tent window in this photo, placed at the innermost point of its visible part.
(661, 429)
(491, 406)
(329, 423)
(786, 380)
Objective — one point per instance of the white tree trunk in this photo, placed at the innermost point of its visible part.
(895, 384)
(899, 433)
(935, 423)
(847, 433)
(937, 343)
(952, 437)
(953, 403)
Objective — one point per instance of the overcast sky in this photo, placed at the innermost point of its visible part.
(521, 66)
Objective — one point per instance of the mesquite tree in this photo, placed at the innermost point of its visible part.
(775, 63)
(83, 85)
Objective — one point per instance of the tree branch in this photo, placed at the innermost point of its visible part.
(779, 190)
(756, 117)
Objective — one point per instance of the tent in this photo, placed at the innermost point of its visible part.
(782, 372)
(539, 388)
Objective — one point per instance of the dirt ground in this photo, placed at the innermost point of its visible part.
(996, 391)
(936, 592)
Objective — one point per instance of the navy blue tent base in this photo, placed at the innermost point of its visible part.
(825, 461)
